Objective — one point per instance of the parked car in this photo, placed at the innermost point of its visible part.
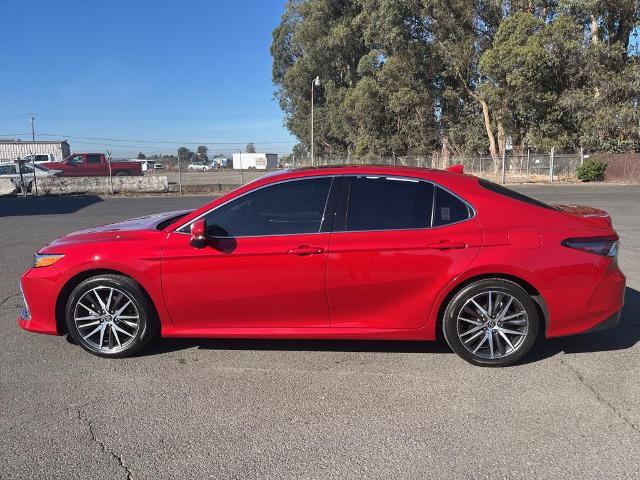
(40, 158)
(199, 167)
(94, 165)
(343, 252)
(10, 170)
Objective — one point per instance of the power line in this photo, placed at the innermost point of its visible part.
(172, 142)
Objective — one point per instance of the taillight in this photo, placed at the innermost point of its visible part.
(605, 246)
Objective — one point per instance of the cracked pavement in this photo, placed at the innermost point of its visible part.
(311, 409)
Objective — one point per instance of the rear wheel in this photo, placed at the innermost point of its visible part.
(110, 316)
(492, 322)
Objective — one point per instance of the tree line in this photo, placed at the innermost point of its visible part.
(460, 77)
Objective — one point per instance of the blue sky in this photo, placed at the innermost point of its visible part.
(180, 72)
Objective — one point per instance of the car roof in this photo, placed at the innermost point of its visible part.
(401, 171)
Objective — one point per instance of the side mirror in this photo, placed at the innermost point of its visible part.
(198, 238)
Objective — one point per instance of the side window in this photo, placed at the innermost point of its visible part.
(93, 159)
(448, 209)
(5, 169)
(286, 208)
(76, 160)
(42, 158)
(386, 203)
(26, 169)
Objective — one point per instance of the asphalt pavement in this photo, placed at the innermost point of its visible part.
(311, 409)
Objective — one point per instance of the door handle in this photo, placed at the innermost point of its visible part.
(447, 245)
(305, 250)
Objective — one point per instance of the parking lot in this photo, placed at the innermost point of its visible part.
(311, 409)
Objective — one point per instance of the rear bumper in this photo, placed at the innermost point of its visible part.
(586, 309)
(607, 324)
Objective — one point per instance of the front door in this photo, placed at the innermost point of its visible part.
(263, 266)
(396, 243)
(74, 167)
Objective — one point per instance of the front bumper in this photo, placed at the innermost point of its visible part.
(38, 288)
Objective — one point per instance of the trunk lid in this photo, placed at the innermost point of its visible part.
(589, 216)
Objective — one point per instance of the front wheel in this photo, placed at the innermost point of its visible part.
(492, 322)
(110, 316)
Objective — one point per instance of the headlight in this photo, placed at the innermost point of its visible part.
(45, 259)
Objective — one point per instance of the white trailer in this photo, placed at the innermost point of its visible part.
(255, 161)
(12, 150)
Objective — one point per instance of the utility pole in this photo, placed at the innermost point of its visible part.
(314, 83)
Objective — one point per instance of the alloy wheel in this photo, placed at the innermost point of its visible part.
(107, 319)
(492, 325)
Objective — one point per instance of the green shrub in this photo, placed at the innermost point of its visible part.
(591, 170)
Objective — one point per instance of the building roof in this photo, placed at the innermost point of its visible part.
(29, 142)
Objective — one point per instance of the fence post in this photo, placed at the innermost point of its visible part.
(110, 172)
(179, 174)
(581, 156)
(528, 162)
(551, 159)
(23, 188)
(504, 166)
(35, 172)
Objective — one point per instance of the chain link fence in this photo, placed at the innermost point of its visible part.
(511, 168)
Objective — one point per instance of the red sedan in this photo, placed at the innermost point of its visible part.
(346, 252)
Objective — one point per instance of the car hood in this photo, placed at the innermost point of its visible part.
(51, 172)
(126, 229)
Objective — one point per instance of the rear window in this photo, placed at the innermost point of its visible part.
(507, 192)
(379, 203)
(449, 209)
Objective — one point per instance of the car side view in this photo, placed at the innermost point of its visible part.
(354, 252)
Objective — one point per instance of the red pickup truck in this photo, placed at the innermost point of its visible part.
(93, 165)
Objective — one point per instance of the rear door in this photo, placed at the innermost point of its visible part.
(396, 243)
(94, 165)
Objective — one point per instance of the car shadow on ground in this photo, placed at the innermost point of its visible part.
(19, 206)
(625, 336)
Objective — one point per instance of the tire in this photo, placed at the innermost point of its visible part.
(497, 343)
(122, 173)
(118, 336)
